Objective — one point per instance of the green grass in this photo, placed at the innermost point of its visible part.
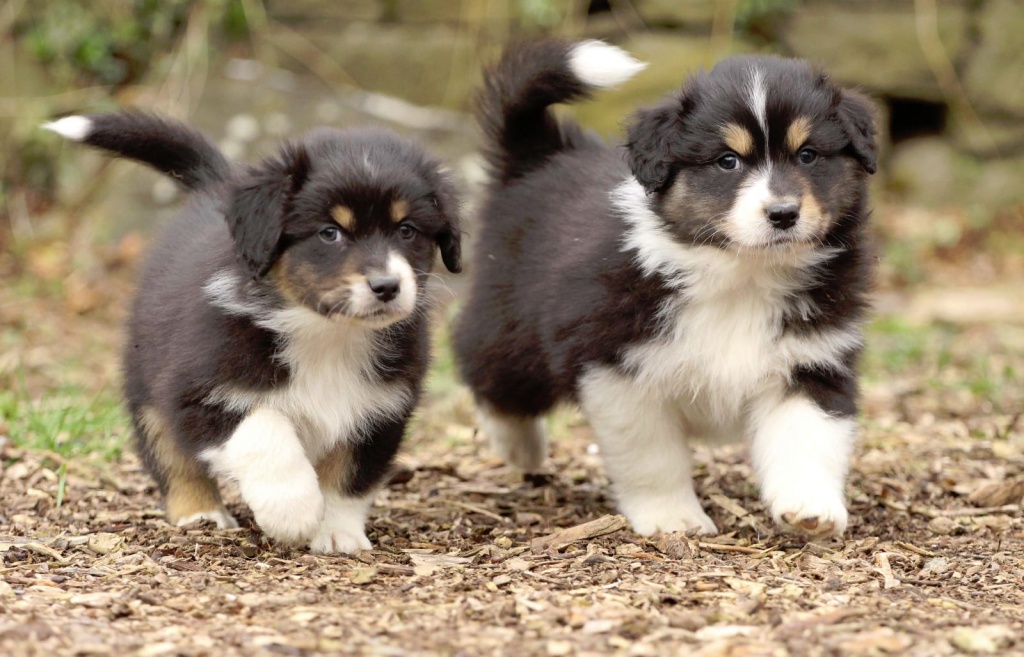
(945, 359)
(67, 421)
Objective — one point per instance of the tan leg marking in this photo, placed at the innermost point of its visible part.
(335, 469)
(190, 491)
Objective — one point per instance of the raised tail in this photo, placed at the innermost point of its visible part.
(172, 148)
(513, 105)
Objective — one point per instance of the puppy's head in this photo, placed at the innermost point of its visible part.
(346, 224)
(759, 153)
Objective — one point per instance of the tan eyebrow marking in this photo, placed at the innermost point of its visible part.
(399, 210)
(798, 133)
(738, 139)
(344, 216)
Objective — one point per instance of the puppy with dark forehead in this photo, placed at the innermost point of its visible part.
(280, 333)
(706, 282)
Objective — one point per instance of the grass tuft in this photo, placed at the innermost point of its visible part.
(67, 421)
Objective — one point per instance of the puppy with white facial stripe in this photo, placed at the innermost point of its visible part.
(280, 333)
(711, 284)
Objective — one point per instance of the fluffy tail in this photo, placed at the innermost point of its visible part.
(172, 148)
(513, 106)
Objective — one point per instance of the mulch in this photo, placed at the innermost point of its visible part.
(471, 559)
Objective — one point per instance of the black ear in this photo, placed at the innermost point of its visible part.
(450, 241)
(449, 238)
(857, 115)
(258, 205)
(653, 142)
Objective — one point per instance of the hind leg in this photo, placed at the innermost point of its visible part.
(189, 492)
(519, 441)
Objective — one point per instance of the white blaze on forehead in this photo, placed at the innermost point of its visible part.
(757, 99)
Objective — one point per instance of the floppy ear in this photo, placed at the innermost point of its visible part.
(258, 204)
(449, 238)
(857, 115)
(652, 141)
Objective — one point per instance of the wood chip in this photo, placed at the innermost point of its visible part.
(601, 527)
(999, 494)
(728, 504)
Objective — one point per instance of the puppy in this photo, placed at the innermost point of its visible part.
(279, 337)
(709, 284)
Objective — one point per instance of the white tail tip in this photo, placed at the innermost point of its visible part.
(599, 64)
(75, 128)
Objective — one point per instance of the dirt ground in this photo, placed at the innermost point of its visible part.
(471, 560)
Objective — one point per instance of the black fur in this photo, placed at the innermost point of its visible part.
(554, 291)
(182, 153)
(261, 229)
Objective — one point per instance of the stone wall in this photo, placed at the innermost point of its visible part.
(949, 81)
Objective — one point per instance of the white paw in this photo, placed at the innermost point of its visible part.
(652, 515)
(809, 510)
(221, 517)
(339, 541)
(342, 531)
(290, 515)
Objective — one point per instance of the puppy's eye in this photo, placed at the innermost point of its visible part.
(728, 162)
(406, 231)
(807, 155)
(330, 234)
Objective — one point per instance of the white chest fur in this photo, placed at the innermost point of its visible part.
(331, 393)
(721, 341)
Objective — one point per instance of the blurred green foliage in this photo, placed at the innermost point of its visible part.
(64, 56)
(115, 44)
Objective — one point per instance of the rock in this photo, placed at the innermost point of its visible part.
(104, 542)
(424, 64)
(993, 75)
(671, 57)
(673, 13)
(999, 493)
(925, 171)
(990, 136)
(998, 183)
(984, 640)
(435, 11)
(877, 45)
(942, 525)
(317, 11)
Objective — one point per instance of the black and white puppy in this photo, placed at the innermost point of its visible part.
(280, 332)
(708, 282)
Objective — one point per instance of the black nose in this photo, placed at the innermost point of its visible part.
(385, 287)
(783, 215)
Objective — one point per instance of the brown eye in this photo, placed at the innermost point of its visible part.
(406, 231)
(330, 234)
(728, 162)
(807, 155)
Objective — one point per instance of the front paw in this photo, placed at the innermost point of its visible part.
(342, 531)
(809, 511)
(291, 516)
(339, 540)
(649, 516)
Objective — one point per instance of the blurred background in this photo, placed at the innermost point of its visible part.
(947, 75)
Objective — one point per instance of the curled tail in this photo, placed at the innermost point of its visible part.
(513, 105)
(172, 148)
